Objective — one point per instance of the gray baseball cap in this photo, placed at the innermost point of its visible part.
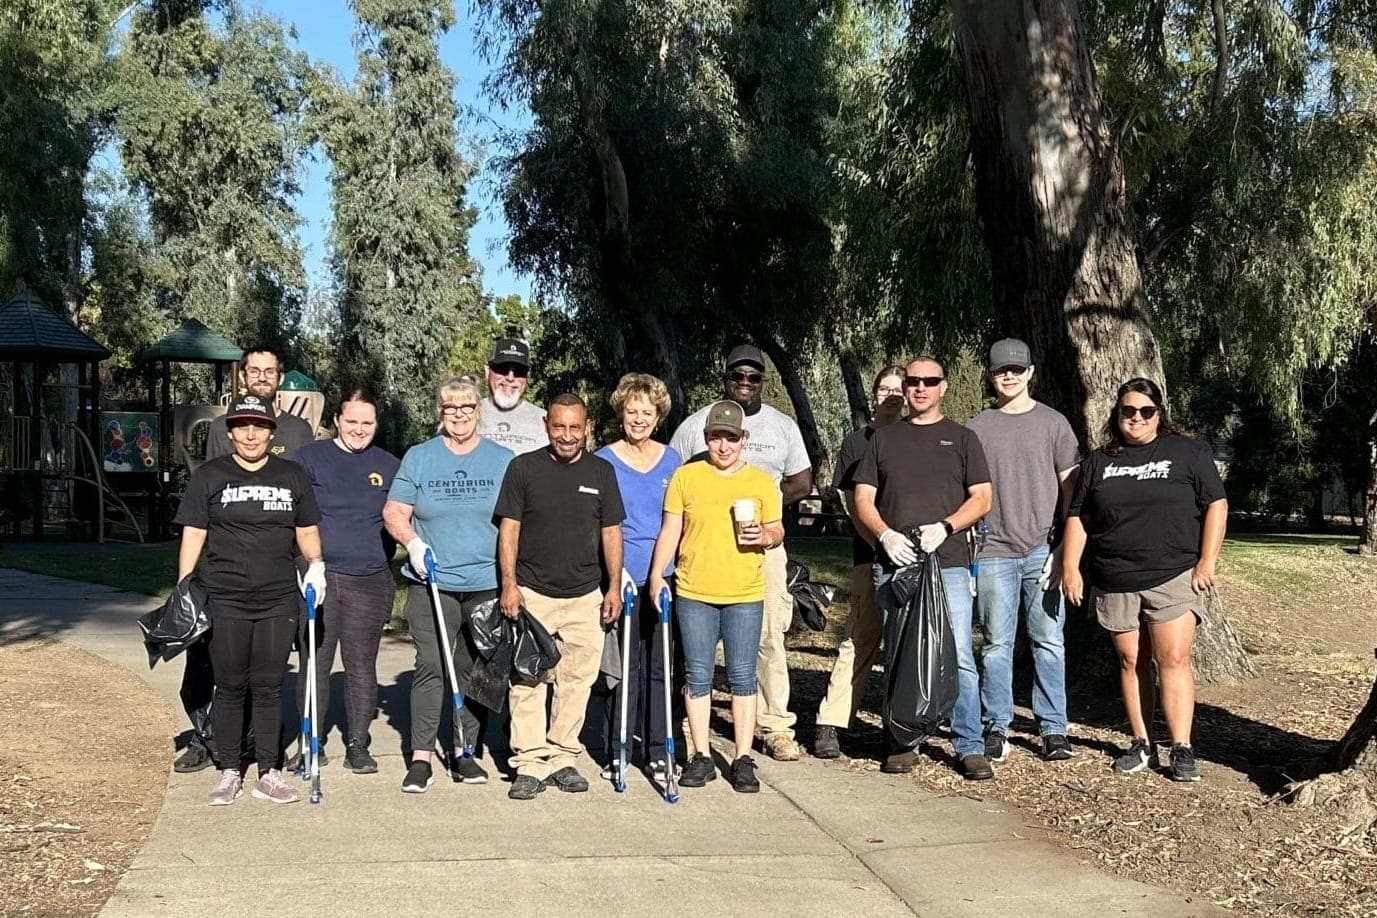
(1010, 352)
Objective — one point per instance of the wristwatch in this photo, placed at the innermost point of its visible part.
(946, 524)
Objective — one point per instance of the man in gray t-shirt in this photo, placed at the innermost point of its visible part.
(775, 446)
(504, 417)
(1032, 455)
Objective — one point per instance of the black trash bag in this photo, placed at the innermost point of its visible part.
(489, 627)
(494, 637)
(534, 651)
(177, 623)
(811, 600)
(920, 654)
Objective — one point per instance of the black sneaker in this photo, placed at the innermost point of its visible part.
(568, 780)
(357, 760)
(744, 780)
(418, 778)
(996, 746)
(825, 744)
(1057, 748)
(525, 787)
(294, 763)
(976, 768)
(900, 762)
(193, 758)
(466, 770)
(698, 772)
(1139, 756)
(1183, 763)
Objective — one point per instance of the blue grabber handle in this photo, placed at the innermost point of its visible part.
(662, 604)
(456, 696)
(304, 773)
(311, 718)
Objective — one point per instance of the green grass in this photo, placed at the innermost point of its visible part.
(828, 560)
(150, 569)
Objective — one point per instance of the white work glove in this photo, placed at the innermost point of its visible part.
(416, 556)
(1051, 571)
(898, 548)
(931, 537)
(314, 578)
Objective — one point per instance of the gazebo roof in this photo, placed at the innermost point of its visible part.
(29, 330)
(193, 342)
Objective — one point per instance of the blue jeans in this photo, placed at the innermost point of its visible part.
(967, 736)
(1005, 585)
(738, 625)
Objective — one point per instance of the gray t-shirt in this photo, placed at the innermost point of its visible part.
(1026, 453)
(775, 445)
(521, 430)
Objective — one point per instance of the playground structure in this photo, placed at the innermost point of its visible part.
(72, 464)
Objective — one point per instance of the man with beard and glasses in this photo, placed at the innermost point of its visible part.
(259, 374)
(504, 417)
(775, 446)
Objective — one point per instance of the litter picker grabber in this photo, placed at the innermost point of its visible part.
(310, 718)
(448, 654)
(623, 737)
(671, 791)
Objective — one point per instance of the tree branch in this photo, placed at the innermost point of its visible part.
(1221, 54)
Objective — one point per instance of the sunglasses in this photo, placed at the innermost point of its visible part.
(1147, 412)
(745, 376)
(932, 382)
(509, 369)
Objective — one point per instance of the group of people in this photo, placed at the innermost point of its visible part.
(505, 505)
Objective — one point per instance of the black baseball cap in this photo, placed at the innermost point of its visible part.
(745, 353)
(510, 350)
(251, 408)
(1010, 352)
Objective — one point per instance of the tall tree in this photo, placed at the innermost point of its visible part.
(400, 233)
(210, 118)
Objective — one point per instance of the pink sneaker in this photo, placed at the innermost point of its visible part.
(274, 788)
(227, 789)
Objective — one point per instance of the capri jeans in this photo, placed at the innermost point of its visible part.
(737, 625)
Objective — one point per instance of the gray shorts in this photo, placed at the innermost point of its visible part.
(1162, 603)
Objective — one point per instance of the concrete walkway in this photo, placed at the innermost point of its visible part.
(818, 839)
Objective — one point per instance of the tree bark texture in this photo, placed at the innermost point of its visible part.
(857, 395)
(1367, 545)
(784, 362)
(1052, 204)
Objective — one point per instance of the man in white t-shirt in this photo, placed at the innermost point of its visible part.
(775, 446)
(504, 417)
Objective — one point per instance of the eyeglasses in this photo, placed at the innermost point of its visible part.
(1147, 412)
(1009, 371)
(932, 382)
(886, 392)
(746, 377)
(509, 369)
(256, 373)
(466, 410)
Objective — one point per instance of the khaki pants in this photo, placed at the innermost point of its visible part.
(856, 655)
(540, 747)
(773, 714)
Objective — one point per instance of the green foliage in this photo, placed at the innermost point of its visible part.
(400, 230)
(210, 122)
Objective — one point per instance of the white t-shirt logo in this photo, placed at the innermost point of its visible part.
(1148, 471)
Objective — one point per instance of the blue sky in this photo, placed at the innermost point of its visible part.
(325, 31)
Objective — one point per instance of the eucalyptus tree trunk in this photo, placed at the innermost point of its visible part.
(787, 366)
(1367, 545)
(1055, 215)
(1052, 204)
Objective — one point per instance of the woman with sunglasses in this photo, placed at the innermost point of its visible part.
(720, 518)
(442, 501)
(1150, 510)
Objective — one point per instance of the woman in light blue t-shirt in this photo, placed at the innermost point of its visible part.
(644, 467)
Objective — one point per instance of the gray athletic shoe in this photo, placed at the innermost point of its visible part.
(227, 789)
(274, 788)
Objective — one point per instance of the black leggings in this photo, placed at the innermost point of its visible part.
(250, 661)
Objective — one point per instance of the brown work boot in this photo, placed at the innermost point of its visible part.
(780, 747)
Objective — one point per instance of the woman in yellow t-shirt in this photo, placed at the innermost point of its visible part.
(720, 516)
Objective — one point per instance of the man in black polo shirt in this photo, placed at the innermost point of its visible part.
(559, 529)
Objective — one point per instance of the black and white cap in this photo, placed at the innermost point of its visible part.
(251, 408)
(510, 350)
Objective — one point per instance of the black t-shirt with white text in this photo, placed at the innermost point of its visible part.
(562, 508)
(844, 479)
(922, 473)
(250, 520)
(1143, 510)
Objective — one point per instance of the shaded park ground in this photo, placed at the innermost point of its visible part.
(1303, 607)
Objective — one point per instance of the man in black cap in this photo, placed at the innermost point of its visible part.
(260, 372)
(504, 417)
(776, 447)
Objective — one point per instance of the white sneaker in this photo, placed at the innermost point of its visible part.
(227, 789)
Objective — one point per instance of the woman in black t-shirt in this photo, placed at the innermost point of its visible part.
(1150, 507)
(250, 511)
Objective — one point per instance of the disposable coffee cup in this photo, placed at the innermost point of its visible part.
(743, 512)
